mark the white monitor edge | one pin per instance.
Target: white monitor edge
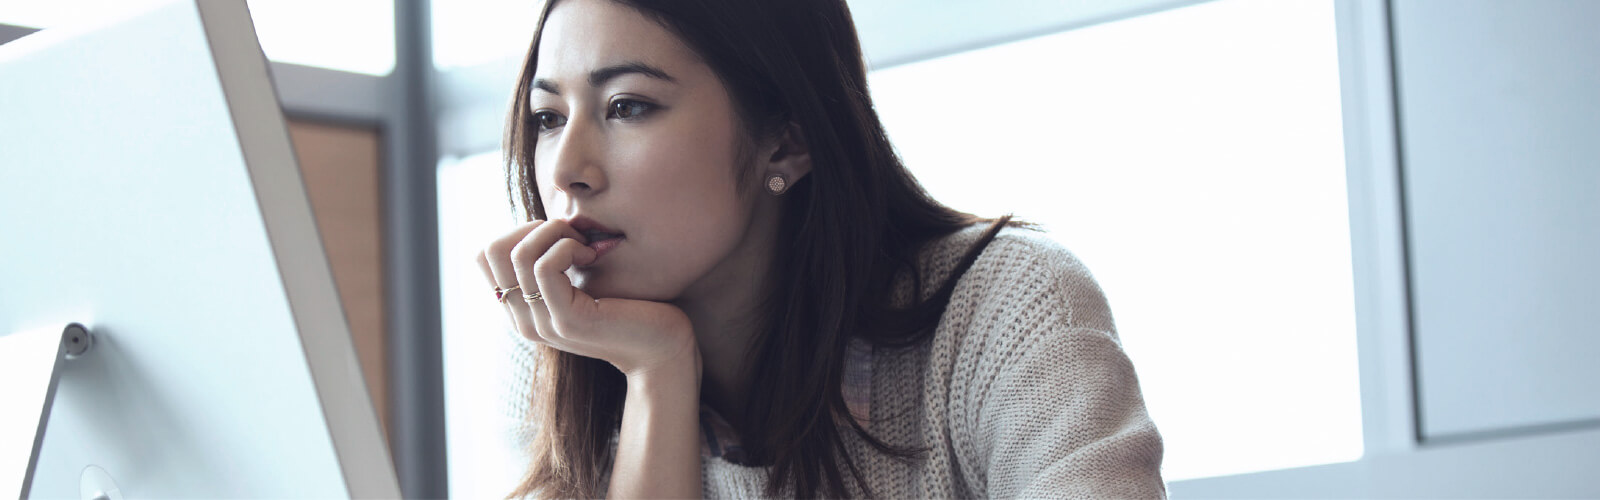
(263, 135)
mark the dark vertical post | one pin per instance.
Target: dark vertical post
(412, 247)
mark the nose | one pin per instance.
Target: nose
(576, 163)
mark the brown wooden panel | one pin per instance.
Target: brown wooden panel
(340, 167)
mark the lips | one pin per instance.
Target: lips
(600, 237)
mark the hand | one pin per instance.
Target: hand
(636, 336)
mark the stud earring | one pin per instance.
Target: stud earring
(777, 184)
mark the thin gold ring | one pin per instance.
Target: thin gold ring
(533, 298)
(501, 295)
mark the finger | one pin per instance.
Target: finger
(498, 269)
(523, 257)
(488, 275)
(495, 259)
(562, 301)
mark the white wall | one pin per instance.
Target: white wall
(1500, 117)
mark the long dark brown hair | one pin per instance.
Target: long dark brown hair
(851, 226)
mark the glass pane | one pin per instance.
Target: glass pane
(473, 32)
(1194, 160)
(346, 35)
(47, 14)
(473, 209)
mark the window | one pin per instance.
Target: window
(473, 32)
(473, 209)
(1193, 159)
(347, 35)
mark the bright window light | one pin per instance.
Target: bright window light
(1193, 159)
(473, 32)
(473, 209)
(345, 35)
(48, 14)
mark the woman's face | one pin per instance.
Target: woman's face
(638, 135)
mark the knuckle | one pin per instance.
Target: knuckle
(552, 230)
(541, 228)
(547, 264)
(502, 246)
(555, 225)
(522, 253)
(523, 230)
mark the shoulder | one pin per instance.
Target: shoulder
(1021, 268)
(1030, 379)
(1023, 296)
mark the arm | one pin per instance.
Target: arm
(1058, 410)
(1067, 420)
(658, 451)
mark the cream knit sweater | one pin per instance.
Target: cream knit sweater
(1024, 390)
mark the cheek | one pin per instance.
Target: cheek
(680, 194)
(543, 180)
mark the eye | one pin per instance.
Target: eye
(628, 109)
(547, 120)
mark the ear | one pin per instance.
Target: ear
(787, 154)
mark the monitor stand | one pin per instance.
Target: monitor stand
(33, 361)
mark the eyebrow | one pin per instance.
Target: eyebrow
(601, 76)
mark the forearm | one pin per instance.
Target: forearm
(658, 450)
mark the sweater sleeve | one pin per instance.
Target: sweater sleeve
(1063, 415)
(1068, 421)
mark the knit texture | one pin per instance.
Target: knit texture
(1023, 391)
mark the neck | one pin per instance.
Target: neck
(725, 308)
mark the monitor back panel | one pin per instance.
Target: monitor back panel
(136, 200)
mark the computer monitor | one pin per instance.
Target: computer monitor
(149, 191)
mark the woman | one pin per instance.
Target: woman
(730, 286)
